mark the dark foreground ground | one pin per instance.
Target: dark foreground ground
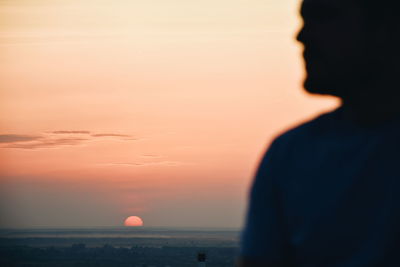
(120, 248)
(80, 255)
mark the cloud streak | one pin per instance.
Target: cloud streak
(145, 164)
(11, 138)
(48, 143)
(56, 139)
(71, 132)
(111, 135)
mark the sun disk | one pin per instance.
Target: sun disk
(133, 221)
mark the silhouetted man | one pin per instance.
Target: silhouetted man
(327, 193)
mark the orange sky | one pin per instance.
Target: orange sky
(159, 108)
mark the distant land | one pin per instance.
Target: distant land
(138, 246)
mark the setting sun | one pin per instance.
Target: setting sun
(133, 221)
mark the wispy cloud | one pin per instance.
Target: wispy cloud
(111, 135)
(11, 138)
(71, 132)
(145, 164)
(46, 143)
(56, 139)
(94, 134)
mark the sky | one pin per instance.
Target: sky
(158, 108)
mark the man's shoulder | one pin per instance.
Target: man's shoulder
(309, 129)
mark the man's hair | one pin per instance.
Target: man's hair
(379, 10)
(383, 13)
(382, 16)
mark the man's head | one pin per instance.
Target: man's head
(349, 46)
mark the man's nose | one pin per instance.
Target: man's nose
(300, 35)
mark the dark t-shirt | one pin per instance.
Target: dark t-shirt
(327, 193)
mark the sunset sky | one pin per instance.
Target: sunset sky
(154, 108)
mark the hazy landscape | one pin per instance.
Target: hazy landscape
(117, 247)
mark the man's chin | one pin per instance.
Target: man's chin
(317, 87)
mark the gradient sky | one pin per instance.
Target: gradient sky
(154, 108)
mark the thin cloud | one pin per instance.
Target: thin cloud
(94, 134)
(56, 139)
(145, 164)
(48, 143)
(123, 137)
(12, 138)
(71, 132)
(110, 135)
